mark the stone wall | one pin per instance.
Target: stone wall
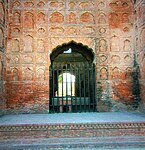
(35, 28)
(3, 31)
(139, 27)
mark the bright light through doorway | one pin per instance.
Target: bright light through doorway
(66, 85)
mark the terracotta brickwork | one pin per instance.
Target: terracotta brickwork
(3, 31)
(139, 27)
(108, 27)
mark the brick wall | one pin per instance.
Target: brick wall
(139, 26)
(3, 31)
(35, 28)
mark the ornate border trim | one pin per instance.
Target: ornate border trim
(88, 126)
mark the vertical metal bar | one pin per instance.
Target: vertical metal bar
(80, 85)
(75, 72)
(57, 75)
(71, 72)
(93, 104)
(53, 86)
(66, 91)
(95, 88)
(61, 103)
(50, 86)
(89, 95)
(84, 99)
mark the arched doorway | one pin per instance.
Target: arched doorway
(72, 79)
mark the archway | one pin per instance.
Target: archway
(72, 79)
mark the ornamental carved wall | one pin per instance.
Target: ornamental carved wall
(35, 28)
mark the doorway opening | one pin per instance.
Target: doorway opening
(72, 79)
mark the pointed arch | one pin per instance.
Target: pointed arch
(76, 47)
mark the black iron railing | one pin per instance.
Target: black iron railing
(72, 88)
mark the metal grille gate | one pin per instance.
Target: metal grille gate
(72, 88)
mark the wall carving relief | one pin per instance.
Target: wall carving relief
(125, 4)
(102, 18)
(102, 58)
(87, 30)
(72, 5)
(127, 45)
(41, 59)
(113, 5)
(27, 59)
(125, 18)
(56, 17)
(17, 16)
(87, 18)
(28, 20)
(2, 12)
(15, 45)
(28, 44)
(127, 58)
(71, 18)
(28, 73)
(115, 59)
(103, 73)
(101, 6)
(128, 73)
(102, 45)
(115, 73)
(41, 17)
(16, 4)
(28, 4)
(15, 74)
(102, 30)
(126, 29)
(56, 4)
(85, 5)
(114, 46)
(41, 31)
(114, 19)
(71, 31)
(16, 31)
(41, 4)
(15, 59)
(40, 74)
(40, 46)
(119, 5)
(57, 30)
